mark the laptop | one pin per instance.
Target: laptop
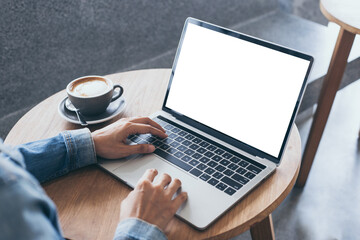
(229, 108)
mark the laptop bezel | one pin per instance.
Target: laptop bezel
(215, 133)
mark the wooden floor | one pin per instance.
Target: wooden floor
(329, 205)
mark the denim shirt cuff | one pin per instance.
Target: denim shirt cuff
(134, 228)
(80, 147)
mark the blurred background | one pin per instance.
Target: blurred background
(44, 44)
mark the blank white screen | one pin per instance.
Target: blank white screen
(241, 89)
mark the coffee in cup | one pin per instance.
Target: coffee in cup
(89, 87)
(91, 95)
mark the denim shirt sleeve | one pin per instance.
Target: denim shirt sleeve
(136, 229)
(26, 212)
(50, 158)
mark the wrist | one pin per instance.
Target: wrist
(94, 140)
(135, 228)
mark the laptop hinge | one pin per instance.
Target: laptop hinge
(262, 160)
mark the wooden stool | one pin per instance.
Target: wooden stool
(345, 13)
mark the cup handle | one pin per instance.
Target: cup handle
(119, 93)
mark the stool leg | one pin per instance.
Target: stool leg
(329, 88)
(263, 230)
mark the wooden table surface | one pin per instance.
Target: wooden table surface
(88, 199)
(345, 13)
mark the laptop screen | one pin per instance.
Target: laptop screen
(247, 89)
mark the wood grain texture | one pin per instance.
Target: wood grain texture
(328, 92)
(345, 13)
(89, 199)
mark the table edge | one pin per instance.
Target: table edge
(342, 24)
(268, 210)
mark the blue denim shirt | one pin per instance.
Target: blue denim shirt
(26, 212)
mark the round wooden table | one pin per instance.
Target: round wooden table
(345, 13)
(88, 199)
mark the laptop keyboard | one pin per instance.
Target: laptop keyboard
(217, 165)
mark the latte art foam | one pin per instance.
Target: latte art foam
(90, 88)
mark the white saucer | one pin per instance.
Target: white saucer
(114, 109)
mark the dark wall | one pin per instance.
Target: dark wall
(46, 43)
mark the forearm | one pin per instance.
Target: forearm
(25, 210)
(50, 158)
